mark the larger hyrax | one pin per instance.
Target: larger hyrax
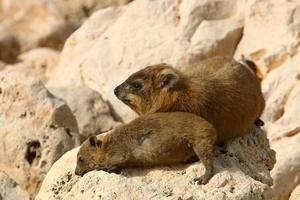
(151, 140)
(219, 89)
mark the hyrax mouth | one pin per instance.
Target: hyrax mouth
(113, 169)
(126, 101)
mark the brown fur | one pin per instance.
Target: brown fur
(219, 89)
(151, 140)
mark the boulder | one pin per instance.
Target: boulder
(175, 32)
(76, 11)
(286, 172)
(93, 114)
(281, 88)
(10, 190)
(271, 32)
(30, 24)
(39, 62)
(241, 172)
(36, 129)
(295, 194)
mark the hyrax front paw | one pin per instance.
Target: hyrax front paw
(114, 169)
(202, 180)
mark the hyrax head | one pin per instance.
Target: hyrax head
(149, 89)
(91, 155)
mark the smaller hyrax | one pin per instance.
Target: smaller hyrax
(220, 89)
(151, 140)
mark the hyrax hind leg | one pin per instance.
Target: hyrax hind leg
(203, 146)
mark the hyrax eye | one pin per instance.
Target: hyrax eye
(80, 159)
(136, 85)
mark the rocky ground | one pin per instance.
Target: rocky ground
(59, 63)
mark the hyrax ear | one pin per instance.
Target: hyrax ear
(168, 78)
(94, 141)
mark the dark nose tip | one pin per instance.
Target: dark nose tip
(117, 91)
(77, 173)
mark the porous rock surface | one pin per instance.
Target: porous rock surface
(281, 89)
(39, 63)
(271, 32)
(10, 190)
(93, 114)
(36, 129)
(241, 172)
(295, 194)
(28, 24)
(25, 25)
(76, 11)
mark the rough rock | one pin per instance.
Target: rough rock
(31, 24)
(175, 32)
(281, 88)
(271, 38)
(10, 190)
(93, 114)
(76, 11)
(286, 172)
(39, 63)
(241, 172)
(36, 129)
(281, 91)
(295, 194)
(271, 33)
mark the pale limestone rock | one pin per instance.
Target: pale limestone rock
(31, 24)
(39, 63)
(279, 89)
(282, 116)
(295, 194)
(241, 172)
(76, 11)
(10, 190)
(36, 129)
(271, 33)
(93, 114)
(115, 42)
(286, 172)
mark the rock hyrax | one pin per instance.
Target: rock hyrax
(219, 89)
(151, 140)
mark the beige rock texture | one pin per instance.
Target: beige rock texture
(39, 62)
(282, 91)
(29, 24)
(93, 114)
(271, 33)
(241, 172)
(76, 11)
(271, 38)
(36, 129)
(295, 194)
(10, 190)
(115, 42)
(25, 25)
(110, 45)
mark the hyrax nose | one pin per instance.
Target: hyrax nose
(77, 172)
(117, 91)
